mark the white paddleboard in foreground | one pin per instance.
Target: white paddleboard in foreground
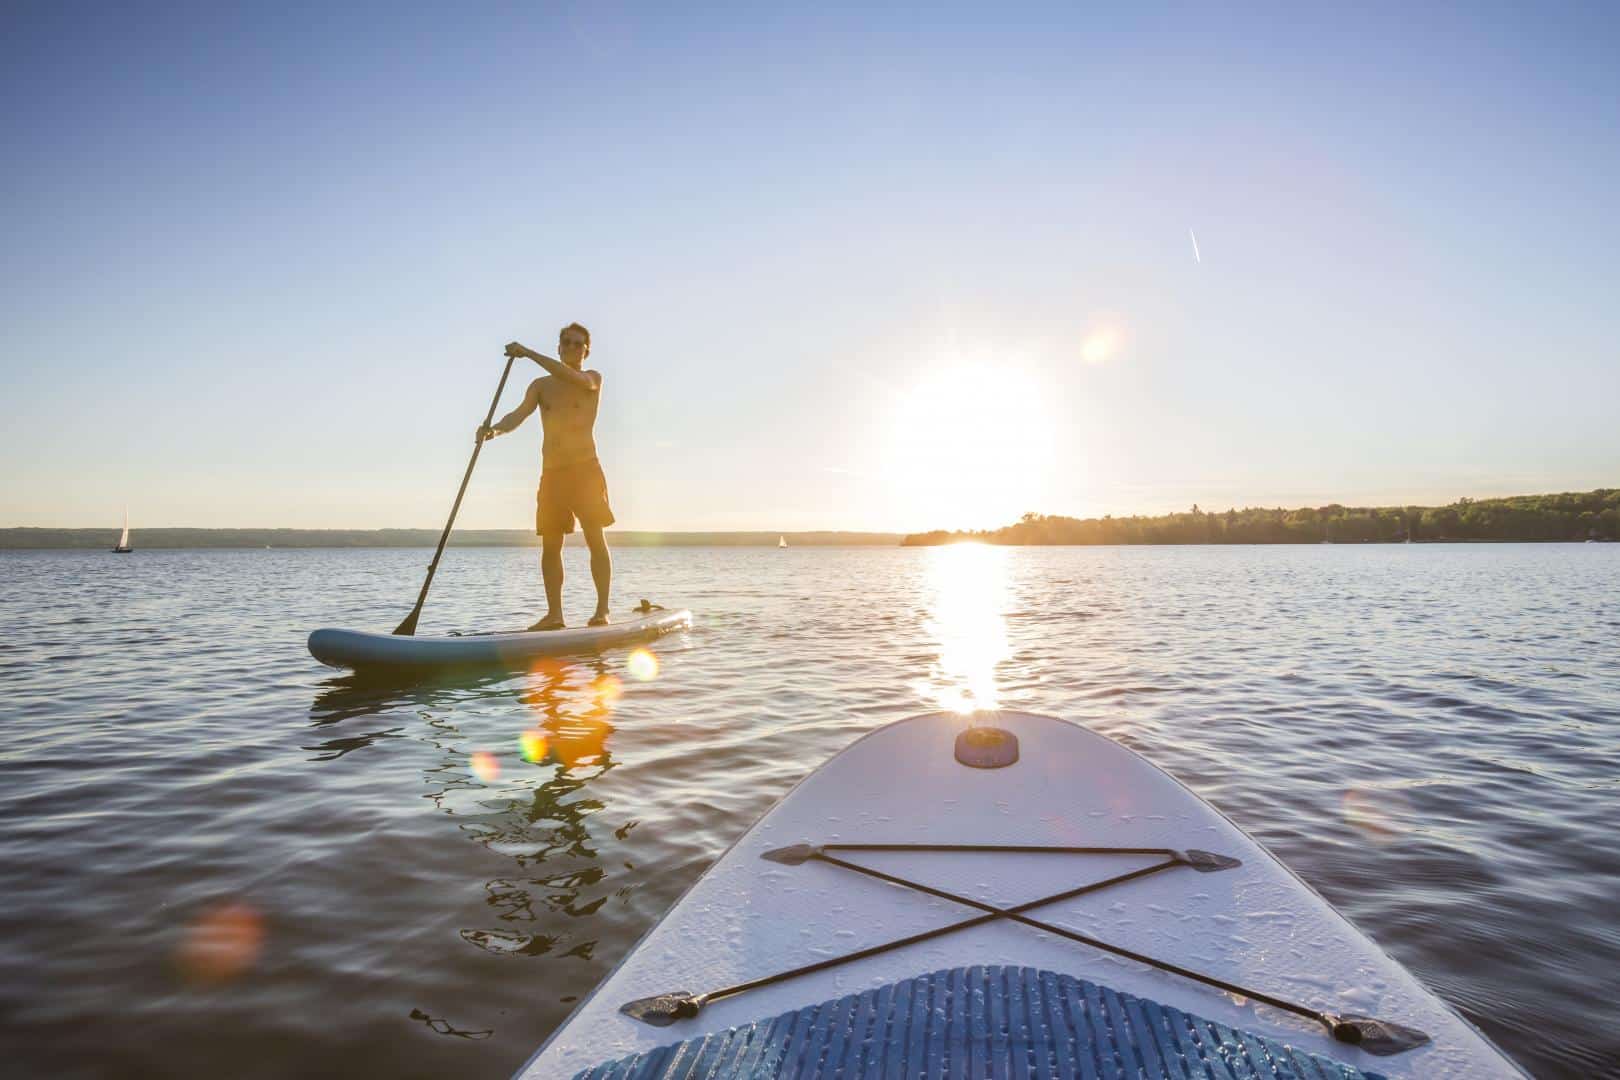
(370, 652)
(700, 994)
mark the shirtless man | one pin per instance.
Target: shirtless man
(571, 481)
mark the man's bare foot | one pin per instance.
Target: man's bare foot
(599, 619)
(550, 622)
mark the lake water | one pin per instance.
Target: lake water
(219, 858)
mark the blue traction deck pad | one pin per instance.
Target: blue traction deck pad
(982, 1022)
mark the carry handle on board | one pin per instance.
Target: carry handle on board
(408, 627)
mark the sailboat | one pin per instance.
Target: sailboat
(781, 541)
(123, 547)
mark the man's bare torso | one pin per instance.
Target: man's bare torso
(568, 417)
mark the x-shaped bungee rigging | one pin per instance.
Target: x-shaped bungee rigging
(1381, 1037)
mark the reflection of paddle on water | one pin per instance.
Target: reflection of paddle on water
(443, 1027)
(349, 696)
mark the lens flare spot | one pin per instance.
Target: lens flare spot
(223, 943)
(1101, 344)
(533, 746)
(486, 766)
(607, 689)
(1376, 814)
(643, 665)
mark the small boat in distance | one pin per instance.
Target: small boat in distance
(781, 541)
(123, 548)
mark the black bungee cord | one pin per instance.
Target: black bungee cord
(1379, 1037)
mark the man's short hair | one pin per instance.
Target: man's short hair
(584, 333)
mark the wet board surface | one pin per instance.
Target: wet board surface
(1254, 924)
(362, 650)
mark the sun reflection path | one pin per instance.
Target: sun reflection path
(969, 595)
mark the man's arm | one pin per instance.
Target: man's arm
(531, 401)
(590, 380)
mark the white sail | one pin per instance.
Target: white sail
(781, 541)
(123, 539)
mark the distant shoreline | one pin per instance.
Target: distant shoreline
(1566, 517)
(36, 539)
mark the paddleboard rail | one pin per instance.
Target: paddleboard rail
(369, 652)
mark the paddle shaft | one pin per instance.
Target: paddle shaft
(408, 626)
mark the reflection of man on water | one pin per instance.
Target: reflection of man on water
(573, 704)
(571, 481)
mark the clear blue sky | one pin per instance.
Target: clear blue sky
(899, 271)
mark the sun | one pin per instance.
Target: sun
(970, 445)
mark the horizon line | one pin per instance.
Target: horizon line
(1299, 505)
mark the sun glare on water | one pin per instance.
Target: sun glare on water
(966, 619)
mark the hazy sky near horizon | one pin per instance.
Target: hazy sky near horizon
(901, 270)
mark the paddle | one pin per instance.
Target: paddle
(408, 627)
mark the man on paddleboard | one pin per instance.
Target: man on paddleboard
(571, 481)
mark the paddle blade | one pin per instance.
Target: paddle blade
(408, 627)
(792, 855)
(663, 1010)
(1381, 1037)
(1207, 862)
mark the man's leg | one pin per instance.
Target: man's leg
(601, 570)
(551, 572)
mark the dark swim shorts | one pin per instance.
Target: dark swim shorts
(570, 491)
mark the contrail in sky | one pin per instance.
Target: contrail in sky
(1196, 258)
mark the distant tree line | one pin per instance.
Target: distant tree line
(1592, 515)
